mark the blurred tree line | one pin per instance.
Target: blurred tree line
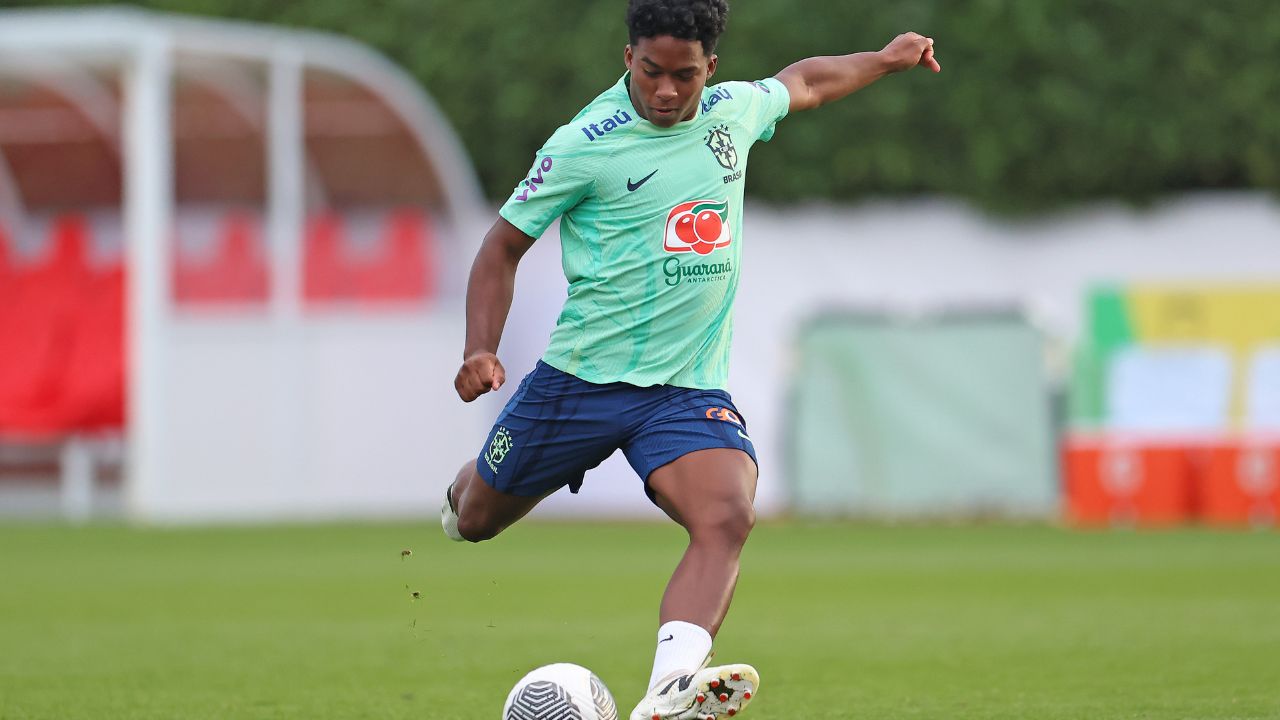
(1041, 103)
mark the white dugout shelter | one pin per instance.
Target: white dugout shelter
(285, 208)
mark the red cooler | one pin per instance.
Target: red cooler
(1242, 485)
(1126, 482)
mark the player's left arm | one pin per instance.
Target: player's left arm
(816, 81)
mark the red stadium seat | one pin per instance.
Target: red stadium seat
(9, 299)
(323, 276)
(37, 328)
(236, 271)
(63, 342)
(400, 266)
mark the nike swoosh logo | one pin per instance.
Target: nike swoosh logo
(634, 186)
(669, 637)
(744, 437)
(683, 681)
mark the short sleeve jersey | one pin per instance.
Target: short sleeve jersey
(651, 233)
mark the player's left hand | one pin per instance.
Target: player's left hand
(909, 50)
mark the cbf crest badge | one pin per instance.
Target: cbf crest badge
(720, 143)
(498, 449)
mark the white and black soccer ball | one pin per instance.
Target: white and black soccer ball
(562, 691)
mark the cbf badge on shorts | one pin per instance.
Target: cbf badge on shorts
(498, 449)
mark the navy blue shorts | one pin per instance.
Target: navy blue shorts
(557, 427)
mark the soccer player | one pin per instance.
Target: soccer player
(647, 182)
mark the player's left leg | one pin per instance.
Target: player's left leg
(711, 493)
(704, 477)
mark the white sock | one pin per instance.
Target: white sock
(449, 518)
(681, 646)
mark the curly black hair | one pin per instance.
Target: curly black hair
(701, 20)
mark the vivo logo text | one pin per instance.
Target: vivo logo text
(537, 178)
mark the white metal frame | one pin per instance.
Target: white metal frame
(142, 46)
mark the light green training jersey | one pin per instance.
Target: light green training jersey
(651, 233)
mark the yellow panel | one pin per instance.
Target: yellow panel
(1236, 318)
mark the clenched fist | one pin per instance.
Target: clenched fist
(480, 373)
(909, 50)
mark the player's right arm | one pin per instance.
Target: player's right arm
(489, 291)
(560, 178)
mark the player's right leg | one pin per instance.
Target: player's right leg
(554, 428)
(473, 511)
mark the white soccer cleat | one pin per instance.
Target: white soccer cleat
(712, 693)
(449, 518)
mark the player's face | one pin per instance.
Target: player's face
(667, 78)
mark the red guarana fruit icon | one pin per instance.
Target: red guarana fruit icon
(707, 226)
(686, 229)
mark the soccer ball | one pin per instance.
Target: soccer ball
(562, 691)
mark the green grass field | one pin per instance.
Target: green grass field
(316, 622)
